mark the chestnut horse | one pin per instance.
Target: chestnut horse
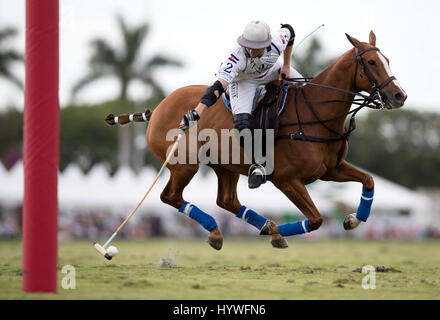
(296, 162)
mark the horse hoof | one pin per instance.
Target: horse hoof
(269, 228)
(351, 222)
(215, 239)
(215, 243)
(279, 243)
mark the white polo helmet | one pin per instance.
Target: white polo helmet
(256, 35)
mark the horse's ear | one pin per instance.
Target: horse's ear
(355, 42)
(372, 38)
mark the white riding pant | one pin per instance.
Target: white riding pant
(242, 92)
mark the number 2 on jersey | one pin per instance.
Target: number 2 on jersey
(228, 67)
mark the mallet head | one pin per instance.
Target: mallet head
(101, 250)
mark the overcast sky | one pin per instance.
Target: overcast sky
(201, 33)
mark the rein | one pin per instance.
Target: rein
(373, 101)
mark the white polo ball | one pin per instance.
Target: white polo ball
(112, 251)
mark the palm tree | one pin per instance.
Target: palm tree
(9, 56)
(124, 64)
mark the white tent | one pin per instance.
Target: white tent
(71, 186)
(12, 184)
(388, 197)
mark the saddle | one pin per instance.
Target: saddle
(268, 104)
(265, 115)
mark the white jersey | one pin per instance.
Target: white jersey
(240, 66)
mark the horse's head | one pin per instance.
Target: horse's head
(373, 73)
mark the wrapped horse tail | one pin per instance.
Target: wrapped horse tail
(122, 119)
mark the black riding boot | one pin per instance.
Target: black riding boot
(257, 173)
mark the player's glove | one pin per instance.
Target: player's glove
(189, 120)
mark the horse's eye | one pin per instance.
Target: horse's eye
(371, 63)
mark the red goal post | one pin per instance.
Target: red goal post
(41, 147)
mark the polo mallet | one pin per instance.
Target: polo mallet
(102, 249)
(322, 25)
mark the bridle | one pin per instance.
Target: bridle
(374, 100)
(370, 77)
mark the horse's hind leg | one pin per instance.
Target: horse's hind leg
(227, 199)
(346, 172)
(180, 176)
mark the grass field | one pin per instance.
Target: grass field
(243, 269)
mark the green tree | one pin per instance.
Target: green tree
(400, 145)
(11, 136)
(312, 62)
(8, 57)
(85, 138)
(123, 64)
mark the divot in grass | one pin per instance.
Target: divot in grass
(168, 260)
(380, 269)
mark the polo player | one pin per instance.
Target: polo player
(254, 62)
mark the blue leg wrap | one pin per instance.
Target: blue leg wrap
(291, 229)
(198, 215)
(251, 217)
(363, 211)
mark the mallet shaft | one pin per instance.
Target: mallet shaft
(148, 191)
(109, 240)
(294, 49)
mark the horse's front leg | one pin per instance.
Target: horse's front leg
(298, 194)
(346, 172)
